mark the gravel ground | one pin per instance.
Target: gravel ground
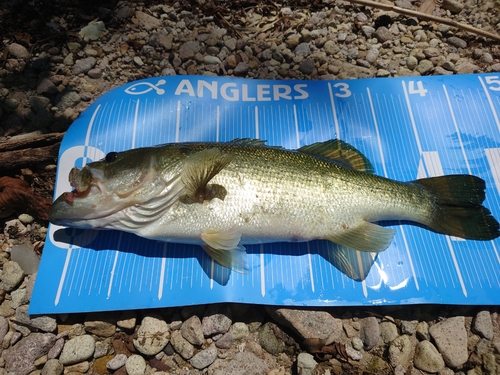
(49, 74)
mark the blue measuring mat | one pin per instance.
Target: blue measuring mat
(409, 128)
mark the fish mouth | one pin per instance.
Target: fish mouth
(82, 202)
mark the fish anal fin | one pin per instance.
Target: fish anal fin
(352, 263)
(341, 152)
(199, 168)
(235, 259)
(365, 237)
(224, 248)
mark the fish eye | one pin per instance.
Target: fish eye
(111, 156)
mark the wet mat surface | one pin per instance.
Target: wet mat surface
(409, 128)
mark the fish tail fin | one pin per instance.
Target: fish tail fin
(459, 211)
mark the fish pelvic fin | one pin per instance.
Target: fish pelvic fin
(198, 169)
(459, 211)
(341, 152)
(366, 236)
(224, 248)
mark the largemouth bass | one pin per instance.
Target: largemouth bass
(225, 195)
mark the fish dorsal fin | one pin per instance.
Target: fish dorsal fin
(254, 142)
(198, 169)
(249, 141)
(341, 152)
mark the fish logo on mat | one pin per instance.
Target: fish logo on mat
(141, 88)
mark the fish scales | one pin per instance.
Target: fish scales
(225, 195)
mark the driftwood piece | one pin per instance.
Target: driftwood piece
(29, 149)
(427, 17)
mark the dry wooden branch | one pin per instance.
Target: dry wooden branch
(21, 151)
(427, 17)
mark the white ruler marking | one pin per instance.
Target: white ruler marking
(490, 102)
(434, 169)
(334, 111)
(178, 121)
(457, 130)
(113, 269)
(161, 282)
(412, 118)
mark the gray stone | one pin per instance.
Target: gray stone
(454, 6)
(352, 353)
(308, 323)
(93, 324)
(370, 332)
(372, 55)
(448, 65)
(230, 44)
(4, 328)
(427, 357)
(482, 324)
(95, 73)
(432, 52)
(211, 60)
(422, 330)
(162, 39)
(302, 49)
(486, 58)
(408, 327)
(152, 336)
(204, 358)
(400, 351)
(52, 367)
(457, 42)
(383, 34)
(135, 365)
(411, 62)
(188, 50)
(101, 349)
(21, 357)
(138, 61)
(191, 330)
(451, 340)
(181, 345)
(241, 69)
(146, 21)
(424, 66)
(217, 320)
(225, 341)
(367, 30)
(127, 320)
(466, 68)
(84, 65)
(388, 331)
(18, 51)
(269, 341)
(67, 99)
(243, 363)
(331, 48)
(307, 66)
(45, 86)
(305, 364)
(12, 275)
(56, 349)
(239, 331)
(43, 323)
(440, 71)
(78, 349)
(116, 362)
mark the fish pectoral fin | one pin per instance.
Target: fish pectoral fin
(198, 169)
(365, 237)
(341, 152)
(224, 248)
